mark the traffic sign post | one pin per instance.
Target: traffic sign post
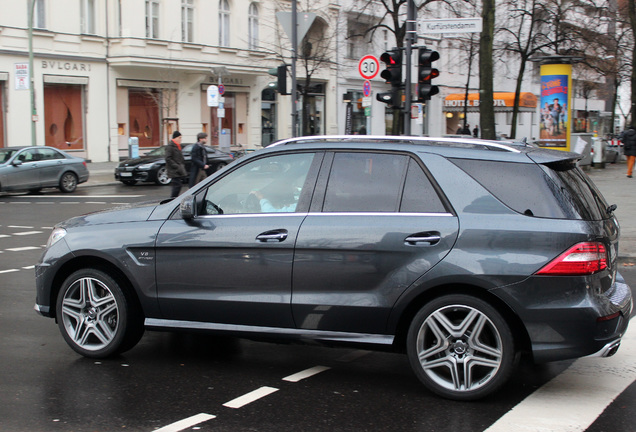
(368, 67)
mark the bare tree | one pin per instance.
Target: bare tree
(486, 104)
(631, 12)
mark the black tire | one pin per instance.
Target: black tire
(68, 182)
(162, 176)
(455, 334)
(96, 317)
(129, 182)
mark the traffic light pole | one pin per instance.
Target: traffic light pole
(294, 91)
(411, 34)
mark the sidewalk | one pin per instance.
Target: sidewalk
(611, 180)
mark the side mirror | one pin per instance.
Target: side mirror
(16, 162)
(188, 206)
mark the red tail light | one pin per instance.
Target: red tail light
(581, 259)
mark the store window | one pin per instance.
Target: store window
(64, 116)
(253, 27)
(227, 122)
(143, 109)
(224, 23)
(268, 117)
(2, 115)
(312, 109)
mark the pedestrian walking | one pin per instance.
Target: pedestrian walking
(628, 137)
(199, 159)
(476, 131)
(175, 164)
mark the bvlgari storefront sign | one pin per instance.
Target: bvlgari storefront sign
(66, 66)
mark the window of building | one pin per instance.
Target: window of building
(2, 113)
(39, 14)
(386, 39)
(88, 16)
(152, 19)
(143, 111)
(187, 20)
(64, 116)
(253, 27)
(224, 23)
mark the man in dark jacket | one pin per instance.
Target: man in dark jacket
(175, 164)
(628, 137)
(199, 159)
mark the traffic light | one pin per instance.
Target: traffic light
(392, 75)
(281, 73)
(425, 73)
(393, 72)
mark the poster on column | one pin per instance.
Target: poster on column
(556, 85)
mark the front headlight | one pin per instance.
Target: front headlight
(56, 235)
(146, 166)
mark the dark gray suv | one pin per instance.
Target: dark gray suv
(462, 253)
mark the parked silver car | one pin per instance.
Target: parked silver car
(37, 167)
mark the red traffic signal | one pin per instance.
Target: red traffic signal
(425, 73)
(393, 72)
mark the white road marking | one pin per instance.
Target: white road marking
(186, 423)
(24, 248)
(250, 397)
(9, 271)
(46, 202)
(306, 373)
(19, 226)
(573, 400)
(4, 235)
(95, 202)
(27, 233)
(16, 202)
(70, 202)
(28, 267)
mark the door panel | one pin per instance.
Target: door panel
(350, 280)
(216, 270)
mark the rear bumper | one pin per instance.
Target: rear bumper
(571, 317)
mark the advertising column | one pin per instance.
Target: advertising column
(556, 86)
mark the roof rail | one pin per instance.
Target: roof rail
(397, 139)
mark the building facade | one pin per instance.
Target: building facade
(105, 71)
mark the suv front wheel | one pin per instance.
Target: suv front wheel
(460, 347)
(95, 316)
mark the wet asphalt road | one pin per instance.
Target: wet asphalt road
(45, 386)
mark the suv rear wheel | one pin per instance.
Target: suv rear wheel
(460, 347)
(95, 316)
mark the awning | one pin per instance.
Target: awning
(503, 101)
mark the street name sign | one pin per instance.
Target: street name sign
(452, 25)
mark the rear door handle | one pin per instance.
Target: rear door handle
(272, 236)
(422, 239)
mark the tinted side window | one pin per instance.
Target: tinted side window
(267, 185)
(365, 182)
(524, 188)
(48, 154)
(419, 194)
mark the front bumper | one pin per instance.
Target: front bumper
(123, 175)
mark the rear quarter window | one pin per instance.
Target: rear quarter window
(560, 191)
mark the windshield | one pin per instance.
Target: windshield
(161, 151)
(6, 154)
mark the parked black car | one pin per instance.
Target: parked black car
(36, 167)
(151, 167)
(462, 253)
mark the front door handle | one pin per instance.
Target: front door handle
(421, 239)
(272, 236)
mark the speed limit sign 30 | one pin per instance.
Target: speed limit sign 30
(368, 67)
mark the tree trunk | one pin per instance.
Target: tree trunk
(486, 108)
(515, 107)
(632, 20)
